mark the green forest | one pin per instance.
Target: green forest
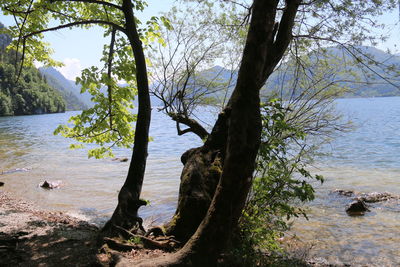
(30, 94)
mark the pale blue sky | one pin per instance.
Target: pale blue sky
(79, 49)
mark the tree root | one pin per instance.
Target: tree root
(155, 231)
(163, 242)
(117, 245)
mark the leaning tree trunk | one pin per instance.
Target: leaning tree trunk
(200, 175)
(126, 212)
(264, 48)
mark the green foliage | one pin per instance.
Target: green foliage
(105, 124)
(281, 183)
(135, 240)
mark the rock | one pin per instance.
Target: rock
(357, 207)
(376, 197)
(367, 197)
(346, 193)
(50, 185)
(120, 159)
(1, 183)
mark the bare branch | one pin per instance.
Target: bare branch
(77, 23)
(193, 125)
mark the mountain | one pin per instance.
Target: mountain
(368, 79)
(67, 88)
(371, 79)
(30, 94)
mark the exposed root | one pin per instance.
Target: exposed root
(117, 245)
(163, 243)
(155, 231)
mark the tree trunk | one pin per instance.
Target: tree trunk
(200, 175)
(126, 212)
(261, 54)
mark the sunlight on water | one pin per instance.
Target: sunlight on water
(365, 160)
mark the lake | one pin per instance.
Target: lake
(366, 159)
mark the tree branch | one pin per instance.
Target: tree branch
(91, 1)
(283, 35)
(77, 23)
(109, 72)
(362, 62)
(24, 42)
(193, 125)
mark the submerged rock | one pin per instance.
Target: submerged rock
(50, 185)
(357, 207)
(120, 159)
(15, 170)
(377, 197)
(367, 197)
(346, 193)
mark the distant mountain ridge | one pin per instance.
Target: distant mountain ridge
(369, 85)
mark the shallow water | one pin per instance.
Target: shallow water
(366, 159)
(90, 186)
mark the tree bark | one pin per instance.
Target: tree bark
(200, 175)
(261, 54)
(126, 212)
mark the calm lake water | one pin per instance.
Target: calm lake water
(366, 159)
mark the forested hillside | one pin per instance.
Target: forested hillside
(30, 94)
(69, 91)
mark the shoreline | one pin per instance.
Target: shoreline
(33, 236)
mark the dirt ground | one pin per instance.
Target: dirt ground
(33, 237)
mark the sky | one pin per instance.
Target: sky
(79, 49)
